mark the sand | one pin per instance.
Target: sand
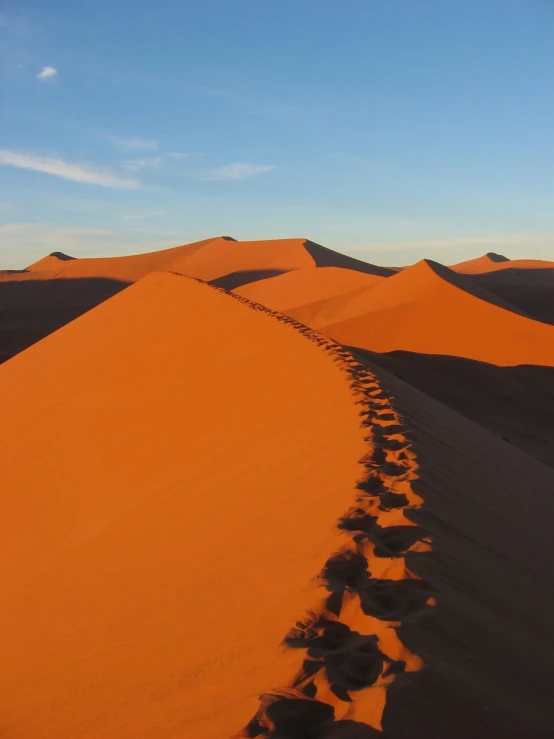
(514, 403)
(527, 284)
(428, 309)
(489, 644)
(220, 522)
(306, 286)
(496, 262)
(163, 533)
(58, 288)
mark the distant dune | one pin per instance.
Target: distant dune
(428, 309)
(56, 289)
(305, 286)
(527, 284)
(263, 490)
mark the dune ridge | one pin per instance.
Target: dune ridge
(497, 262)
(391, 316)
(67, 557)
(57, 288)
(305, 286)
(349, 638)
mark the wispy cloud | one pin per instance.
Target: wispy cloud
(125, 144)
(237, 171)
(66, 170)
(47, 73)
(163, 160)
(136, 164)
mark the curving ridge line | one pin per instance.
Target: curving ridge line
(352, 649)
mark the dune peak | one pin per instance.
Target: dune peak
(61, 256)
(496, 257)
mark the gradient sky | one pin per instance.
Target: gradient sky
(386, 129)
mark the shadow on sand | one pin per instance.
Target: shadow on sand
(32, 309)
(515, 403)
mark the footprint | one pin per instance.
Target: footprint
(394, 600)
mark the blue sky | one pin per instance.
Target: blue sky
(386, 129)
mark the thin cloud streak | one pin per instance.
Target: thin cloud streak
(237, 171)
(66, 170)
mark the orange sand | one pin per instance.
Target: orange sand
(178, 461)
(207, 259)
(428, 309)
(139, 568)
(304, 286)
(496, 262)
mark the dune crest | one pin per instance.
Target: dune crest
(496, 262)
(353, 651)
(306, 286)
(485, 263)
(429, 309)
(130, 604)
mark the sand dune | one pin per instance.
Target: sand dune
(208, 259)
(489, 644)
(496, 262)
(527, 284)
(304, 286)
(428, 309)
(58, 288)
(515, 403)
(163, 534)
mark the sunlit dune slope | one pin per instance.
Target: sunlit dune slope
(176, 463)
(304, 286)
(56, 289)
(429, 309)
(209, 259)
(496, 262)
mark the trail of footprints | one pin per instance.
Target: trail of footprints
(349, 639)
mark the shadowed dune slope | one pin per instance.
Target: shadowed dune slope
(304, 286)
(429, 309)
(223, 260)
(527, 284)
(32, 309)
(489, 644)
(177, 466)
(515, 403)
(530, 289)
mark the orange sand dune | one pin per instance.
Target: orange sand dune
(208, 260)
(525, 283)
(489, 645)
(178, 463)
(304, 286)
(56, 289)
(495, 262)
(428, 309)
